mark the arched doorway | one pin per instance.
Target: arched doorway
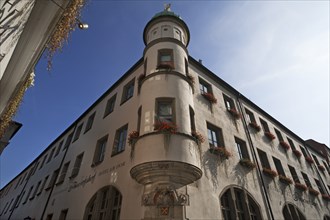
(238, 204)
(104, 204)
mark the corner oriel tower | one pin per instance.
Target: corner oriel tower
(166, 157)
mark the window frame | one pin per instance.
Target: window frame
(214, 132)
(229, 102)
(242, 149)
(77, 132)
(168, 64)
(165, 118)
(100, 150)
(110, 106)
(90, 122)
(128, 91)
(119, 144)
(77, 165)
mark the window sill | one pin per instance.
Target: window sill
(116, 153)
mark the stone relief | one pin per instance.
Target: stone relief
(164, 196)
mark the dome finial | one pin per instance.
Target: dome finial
(167, 7)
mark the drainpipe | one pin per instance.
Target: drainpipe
(263, 186)
(60, 168)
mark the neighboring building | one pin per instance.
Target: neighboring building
(138, 151)
(25, 28)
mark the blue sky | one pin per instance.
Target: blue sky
(276, 53)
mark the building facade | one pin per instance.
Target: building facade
(171, 140)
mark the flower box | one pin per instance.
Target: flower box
(297, 153)
(300, 186)
(286, 180)
(309, 160)
(132, 137)
(234, 113)
(321, 167)
(285, 145)
(210, 97)
(313, 191)
(326, 197)
(247, 163)
(269, 135)
(198, 137)
(269, 172)
(165, 127)
(255, 126)
(220, 151)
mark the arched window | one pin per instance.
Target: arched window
(291, 212)
(238, 204)
(105, 204)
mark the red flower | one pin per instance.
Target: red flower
(210, 97)
(220, 151)
(321, 167)
(300, 186)
(269, 135)
(285, 145)
(198, 136)
(313, 191)
(297, 153)
(234, 113)
(309, 160)
(165, 127)
(285, 179)
(326, 197)
(255, 126)
(269, 172)
(132, 137)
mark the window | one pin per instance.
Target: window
(291, 144)
(322, 191)
(78, 131)
(4, 208)
(100, 150)
(63, 173)
(51, 155)
(294, 174)
(264, 125)
(15, 205)
(43, 161)
(165, 59)
(24, 178)
(20, 199)
(110, 105)
(291, 212)
(186, 66)
(34, 169)
(165, 109)
(238, 204)
(242, 149)
(128, 91)
(316, 160)
(303, 150)
(77, 165)
(68, 141)
(192, 119)
(326, 166)
(145, 66)
(63, 214)
(49, 217)
(120, 140)
(36, 190)
(9, 205)
(278, 166)
(43, 185)
(229, 102)
(105, 204)
(28, 195)
(279, 135)
(90, 122)
(53, 179)
(263, 159)
(204, 87)
(215, 137)
(250, 116)
(58, 149)
(306, 179)
(21, 179)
